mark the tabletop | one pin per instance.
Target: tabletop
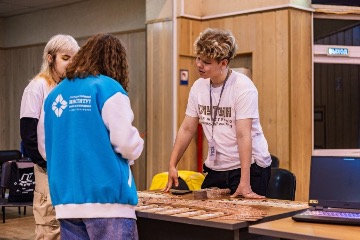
(274, 209)
(290, 229)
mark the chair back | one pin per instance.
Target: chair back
(6, 155)
(274, 161)
(282, 184)
(17, 176)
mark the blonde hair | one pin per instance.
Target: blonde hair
(215, 44)
(58, 43)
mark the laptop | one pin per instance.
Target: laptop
(334, 195)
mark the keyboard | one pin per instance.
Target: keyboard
(348, 218)
(332, 214)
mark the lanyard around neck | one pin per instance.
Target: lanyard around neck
(217, 107)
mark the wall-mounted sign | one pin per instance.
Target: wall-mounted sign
(338, 52)
(184, 77)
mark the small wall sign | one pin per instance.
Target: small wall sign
(338, 52)
(184, 77)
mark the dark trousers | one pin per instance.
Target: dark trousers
(98, 228)
(259, 178)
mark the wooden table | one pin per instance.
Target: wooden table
(154, 226)
(289, 229)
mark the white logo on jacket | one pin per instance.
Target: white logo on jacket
(59, 105)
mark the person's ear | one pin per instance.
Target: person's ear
(224, 62)
(49, 58)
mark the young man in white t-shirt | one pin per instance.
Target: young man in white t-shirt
(226, 104)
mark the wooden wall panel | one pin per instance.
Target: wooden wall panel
(189, 158)
(268, 83)
(188, 31)
(3, 108)
(300, 100)
(159, 98)
(244, 35)
(135, 44)
(282, 94)
(22, 64)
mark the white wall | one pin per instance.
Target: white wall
(158, 10)
(80, 20)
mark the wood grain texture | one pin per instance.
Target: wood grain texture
(22, 64)
(3, 109)
(159, 98)
(135, 44)
(188, 31)
(282, 91)
(287, 228)
(300, 100)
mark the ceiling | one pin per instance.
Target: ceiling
(10, 8)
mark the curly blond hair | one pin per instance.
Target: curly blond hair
(215, 44)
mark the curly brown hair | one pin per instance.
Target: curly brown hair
(215, 44)
(102, 54)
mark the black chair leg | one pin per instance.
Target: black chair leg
(3, 210)
(24, 210)
(19, 210)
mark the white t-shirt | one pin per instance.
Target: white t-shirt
(33, 98)
(239, 100)
(32, 104)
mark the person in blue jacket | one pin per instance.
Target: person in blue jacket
(90, 144)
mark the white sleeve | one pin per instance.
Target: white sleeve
(192, 105)
(118, 117)
(32, 100)
(41, 134)
(246, 105)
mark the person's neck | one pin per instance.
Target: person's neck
(57, 80)
(219, 81)
(56, 77)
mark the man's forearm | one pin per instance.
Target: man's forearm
(28, 132)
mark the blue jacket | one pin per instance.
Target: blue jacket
(90, 143)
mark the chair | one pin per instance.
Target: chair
(7, 155)
(282, 184)
(17, 177)
(274, 161)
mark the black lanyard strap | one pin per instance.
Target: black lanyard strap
(217, 107)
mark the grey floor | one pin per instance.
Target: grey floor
(17, 227)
